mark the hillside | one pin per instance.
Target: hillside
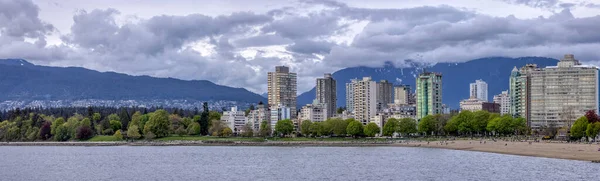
(23, 81)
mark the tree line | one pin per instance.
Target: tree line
(75, 123)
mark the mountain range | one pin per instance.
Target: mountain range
(456, 77)
(23, 83)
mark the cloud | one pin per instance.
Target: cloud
(313, 38)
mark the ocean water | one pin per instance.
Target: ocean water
(279, 163)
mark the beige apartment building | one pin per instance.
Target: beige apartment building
(561, 94)
(364, 98)
(282, 88)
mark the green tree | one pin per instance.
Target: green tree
(158, 124)
(136, 118)
(371, 130)
(579, 127)
(338, 126)
(355, 128)
(226, 132)
(390, 127)
(406, 126)
(86, 122)
(113, 117)
(133, 131)
(118, 135)
(480, 121)
(194, 128)
(305, 127)
(491, 126)
(460, 124)
(203, 119)
(58, 122)
(96, 117)
(284, 127)
(247, 130)
(216, 127)
(427, 125)
(592, 130)
(214, 115)
(519, 125)
(505, 125)
(115, 125)
(265, 129)
(62, 133)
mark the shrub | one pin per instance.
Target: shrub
(118, 135)
(84, 133)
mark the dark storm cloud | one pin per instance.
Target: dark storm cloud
(20, 19)
(307, 38)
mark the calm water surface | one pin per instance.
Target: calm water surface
(280, 163)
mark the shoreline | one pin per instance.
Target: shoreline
(569, 151)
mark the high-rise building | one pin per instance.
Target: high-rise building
(429, 94)
(326, 94)
(479, 90)
(350, 95)
(402, 94)
(364, 95)
(560, 94)
(519, 91)
(385, 92)
(282, 88)
(504, 100)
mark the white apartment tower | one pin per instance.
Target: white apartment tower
(479, 90)
(504, 100)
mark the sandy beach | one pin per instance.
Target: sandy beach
(572, 151)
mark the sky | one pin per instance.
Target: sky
(236, 42)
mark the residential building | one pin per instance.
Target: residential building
(282, 88)
(560, 94)
(364, 95)
(445, 109)
(519, 90)
(475, 104)
(350, 95)
(399, 111)
(479, 90)
(385, 91)
(326, 94)
(504, 100)
(402, 94)
(258, 115)
(279, 112)
(429, 94)
(235, 119)
(315, 112)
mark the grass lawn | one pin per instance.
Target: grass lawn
(103, 138)
(207, 138)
